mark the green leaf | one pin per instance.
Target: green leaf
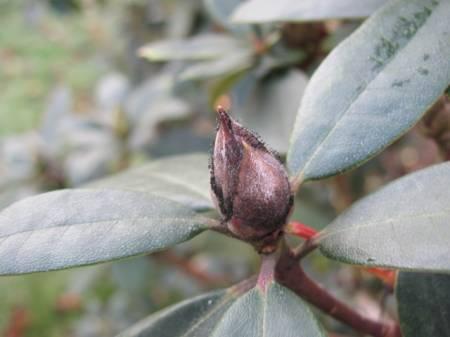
(201, 47)
(195, 317)
(424, 304)
(224, 85)
(184, 179)
(274, 312)
(70, 228)
(259, 11)
(271, 108)
(372, 88)
(404, 225)
(232, 61)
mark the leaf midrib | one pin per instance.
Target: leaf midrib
(228, 298)
(3, 238)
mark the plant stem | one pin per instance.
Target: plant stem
(290, 273)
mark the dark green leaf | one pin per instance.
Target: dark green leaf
(184, 179)
(201, 47)
(424, 304)
(271, 108)
(258, 11)
(195, 317)
(403, 225)
(275, 312)
(70, 228)
(372, 88)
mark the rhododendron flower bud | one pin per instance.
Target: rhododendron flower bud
(249, 184)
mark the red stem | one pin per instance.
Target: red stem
(292, 276)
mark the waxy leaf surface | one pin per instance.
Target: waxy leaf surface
(184, 179)
(404, 225)
(372, 88)
(273, 312)
(70, 228)
(195, 317)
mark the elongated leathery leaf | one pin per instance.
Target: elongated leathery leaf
(372, 88)
(258, 11)
(230, 62)
(403, 225)
(202, 47)
(195, 317)
(184, 179)
(424, 304)
(70, 228)
(275, 312)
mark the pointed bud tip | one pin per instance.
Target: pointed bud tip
(220, 109)
(223, 117)
(222, 113)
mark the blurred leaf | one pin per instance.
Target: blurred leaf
(258, 11)
(152, 103)
(156, 88)
(200, 47)
(223, 85)
(230, 62)
(221, 10)
(111, 91)
(90, 151)
(271, 107)
(71, 228)
(191, 318)
(279, 58)
(423, 304)
(19, 158)
(182, 17)
(355, 106)
(59, 105)
(163, 109)
(403, 225)
(274, 312)
(184, 179)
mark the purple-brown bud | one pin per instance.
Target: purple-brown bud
(249, 184)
